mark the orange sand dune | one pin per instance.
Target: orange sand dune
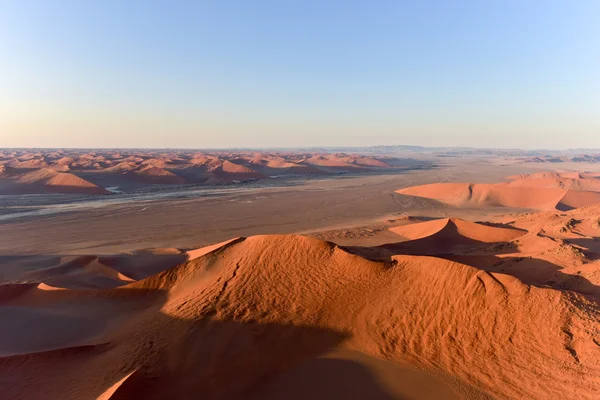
(13, 181)
(143, 263)
(199, 252)
(564, 180)
(440, 237)
(345, 374)
(79, 273)
(371, 162)
(577, 199)
(554, 250)
(332, 163)
(28, 163)
(124, 166)
(134, 169)
(504, 195)
(231, 171)
(254, 317)
(457, 227)
(279, 166)
(156, 175)
(91, 271)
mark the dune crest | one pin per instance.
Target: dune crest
(452, 226)
(549, 191)
(254, 308)
(90, 172)
(14, 181)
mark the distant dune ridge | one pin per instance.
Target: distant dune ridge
(452, 227)
(507, 310)
(91, 172)
(44, 180)
(544, 191)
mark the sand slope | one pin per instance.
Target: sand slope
(253, 316)
(441, 236)
(156, 175)
(455, 228)
(521, 193)
(563, 180)
(15, 181)
(137, 169)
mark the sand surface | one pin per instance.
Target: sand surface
(393, 296)
(543, 191)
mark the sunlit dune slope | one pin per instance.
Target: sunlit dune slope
(242, 319)
(15, 181)
(541, 193)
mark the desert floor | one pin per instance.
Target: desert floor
(69, 224)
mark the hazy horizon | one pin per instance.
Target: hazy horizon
(316, 148)
(299, 74)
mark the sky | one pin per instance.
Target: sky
(285, 73)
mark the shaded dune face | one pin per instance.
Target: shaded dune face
(454, 228)
(90, 271)
(548, 191)
(253, 317)
(442, 236)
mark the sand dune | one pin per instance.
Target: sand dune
(488, 195)
(231, 171)
(247, 318)
(440, 237)
(354, 375)
(15, 181)
(280, 166)
(156, 175)
(577, 199)
(445, 308)
(542, 192)
(92, 271)
(454, 228)
(138, 169)
(562, 180)
(143, 263)
(84, 272)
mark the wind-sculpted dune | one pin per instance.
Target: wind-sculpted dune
(72, 171)
(44, 180)
(547, 191)
(286, 316)
(447, 235)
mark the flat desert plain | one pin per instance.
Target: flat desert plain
(293, 276)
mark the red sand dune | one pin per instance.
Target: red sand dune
(156, 175)
(332, 163)
(83, 272)
(253, 318)
(521, 193)
(507, 309)
(455, 227)
(135, 169)
(279, 166)
(231, 171)
(440, 237)
(14, 181)
(577, 198)
(143, 263)
(562, 180)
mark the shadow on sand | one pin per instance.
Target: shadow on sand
(135, 350)
(529, 270)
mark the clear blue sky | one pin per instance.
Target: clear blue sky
(128, 73)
